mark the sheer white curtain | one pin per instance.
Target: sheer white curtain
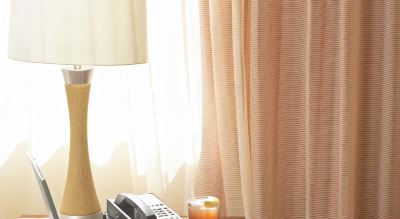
(144, 120)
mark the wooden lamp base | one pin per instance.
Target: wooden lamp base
(80, 199)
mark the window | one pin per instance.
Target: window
(145, 118)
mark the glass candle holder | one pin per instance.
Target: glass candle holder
(206, 207)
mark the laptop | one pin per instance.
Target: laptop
(51, 209)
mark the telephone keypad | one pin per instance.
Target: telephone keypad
(163, 212)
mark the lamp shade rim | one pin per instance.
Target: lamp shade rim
(80, 63)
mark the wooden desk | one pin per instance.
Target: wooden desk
(45, 217)
(33, 216)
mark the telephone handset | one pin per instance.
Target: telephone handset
(146, 206)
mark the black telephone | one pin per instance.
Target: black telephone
(146, 206)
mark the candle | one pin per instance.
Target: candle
(203, 208)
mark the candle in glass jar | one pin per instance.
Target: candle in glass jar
(203, 208)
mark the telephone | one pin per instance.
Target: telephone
(146, 206)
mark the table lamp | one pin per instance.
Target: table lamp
(78, 33)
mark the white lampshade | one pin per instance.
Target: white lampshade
(78, 32)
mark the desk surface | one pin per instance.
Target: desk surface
(32, 216)
(45, 217)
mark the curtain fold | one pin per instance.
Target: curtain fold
(301, 108)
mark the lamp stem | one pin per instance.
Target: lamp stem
(80, 198)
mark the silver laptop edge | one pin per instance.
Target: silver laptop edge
(51, 209)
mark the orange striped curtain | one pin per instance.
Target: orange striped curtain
(301, 108)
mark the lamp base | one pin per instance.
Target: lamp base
(98, 215)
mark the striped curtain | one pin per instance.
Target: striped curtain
(301, 108)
